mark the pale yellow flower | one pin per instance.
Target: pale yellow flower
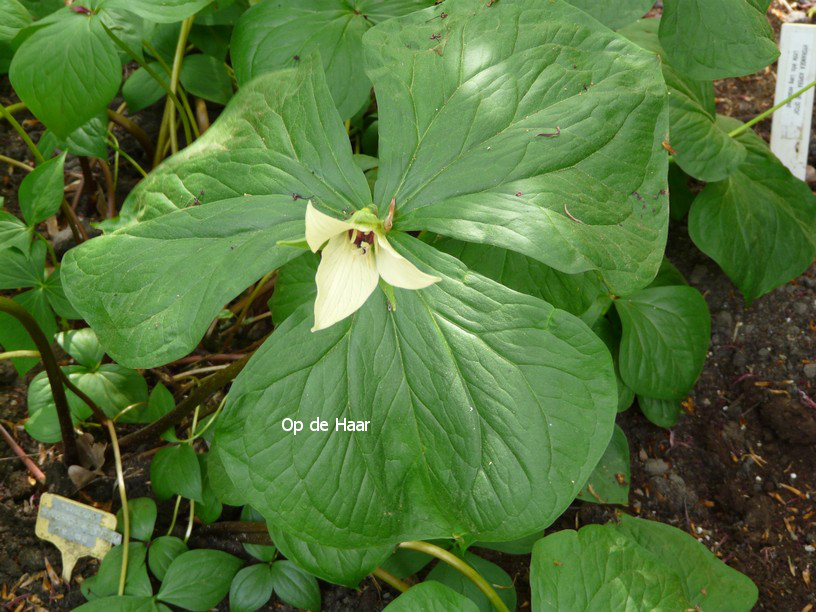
(355, 256)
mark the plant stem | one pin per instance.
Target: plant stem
(96, 410)
(22, 133)
(208, 386)
(746, 126)
(48, 247)
(18, 354)
(120, 479)
(71, 456)
(174, 79)
(124, 46)
(202, 116)
(16, 108)
(135, 131)
(175, 515)
(459, 565)
(132, 161)
(391, 579)
(186, 103)
(36, 472)
(190, 522)
(13, 162)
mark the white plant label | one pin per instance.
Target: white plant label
(790, 132)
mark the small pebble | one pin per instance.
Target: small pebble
(800, 308)
(656, 467)
(810, 370)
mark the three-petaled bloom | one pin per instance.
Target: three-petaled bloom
(356, 255)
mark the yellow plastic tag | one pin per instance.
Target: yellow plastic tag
(76, 529)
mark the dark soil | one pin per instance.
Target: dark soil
(738, 472)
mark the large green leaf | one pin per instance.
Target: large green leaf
(295, 286)
(702, 147)
(295, 586)
(609, 482)
(666, 331)
(709, 583)
(150, 290)
(488, 410)
(431, 597)
(67, 71)
(598, 568)
(206, 77)
(614, 13)
(279, 135)
(273, 35)
(759, 224)
(663, 413)
(574, 293)
(199, 579)
(539, 140)
(161, 11)
(717, 39)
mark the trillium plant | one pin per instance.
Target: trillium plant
(463, 207)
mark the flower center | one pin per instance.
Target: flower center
(361, 239)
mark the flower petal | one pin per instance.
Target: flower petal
(345, 278)
(320, 227)
(398, 271)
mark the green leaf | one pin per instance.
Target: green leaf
(55, 295)
(206, 77)
(207, 255)
(89, 140)
(295, 586)
(212, 40)
(614, 13)
(142, 511)
(162, 552)
(574, 293)
(209, 509)
(175, 471)
(717, 39)
(460, 120)
(67, 72)
(431, 597)
(141, 90)
(259, 551)
(83, 346)
(666, 331)
(680, 194)
(159, 403)
(295, 286)
(668, 275)
(251, 588)
(522, 546)
(42, 424)
(285, 138)
(405, 562)
(19, 270)
(223, 486)
(273, 35)
(15, 18)
(345, 566)
(702, 147)
(611, 336)
(611, 477)
(161, 11)
(663, 413)
(759, 224)
(495, 576)
(13, 233)
(199, 579)
(106, 581)
(42, 8)
(600, 568)
(435, 378)
(709, 583)
(111, 386)
(13, 335)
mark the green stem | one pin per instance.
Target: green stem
(134, 130)
(746, 126)
(19, 354)
(13, 162)
(120, 479)
(114, 143)
(391, 579)
(175, 515)
(51, 253)
(124, 46)
(16, 107)
(19, 129)
(71, 456)
(186, 25)
(462, 567)
(190, 115)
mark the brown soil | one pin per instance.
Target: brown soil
(740, 467)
